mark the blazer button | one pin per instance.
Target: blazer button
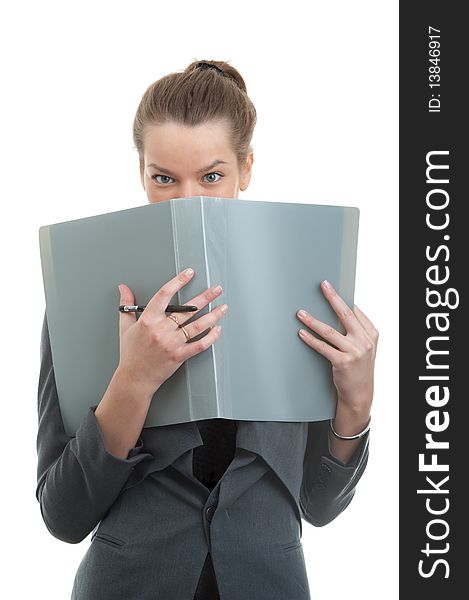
(209, 511)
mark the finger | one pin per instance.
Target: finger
(201, 301)
(366, 323)
(341, 308)
(327, 332)
(328, 351)
(203, 323)
(156, 307)
(190, 349)
(126, 320)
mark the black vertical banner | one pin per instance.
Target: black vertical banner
(434, 329)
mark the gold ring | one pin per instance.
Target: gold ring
(180, 326)
(174, 319)
(185, 332)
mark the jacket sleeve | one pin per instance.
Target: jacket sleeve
(77, 478)
(328, 484)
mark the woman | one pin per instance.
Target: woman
(212, 508)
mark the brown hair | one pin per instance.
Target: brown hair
(204, 91)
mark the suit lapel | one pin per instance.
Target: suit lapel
(280, 445)
(167, 443)
(163, 446)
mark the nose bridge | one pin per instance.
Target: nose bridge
(189, 188)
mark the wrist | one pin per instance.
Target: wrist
(356, 404)
(350, 422)
(124, 380)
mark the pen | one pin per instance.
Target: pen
(169, 308)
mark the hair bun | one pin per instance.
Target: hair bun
(205, 65)
(221, 67)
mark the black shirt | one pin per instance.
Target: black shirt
(210, 461)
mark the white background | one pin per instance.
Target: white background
(323, 78)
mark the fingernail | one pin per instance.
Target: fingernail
(326, 284)
(217, 290)
(301, 313)
(188, 272)
(119, 288)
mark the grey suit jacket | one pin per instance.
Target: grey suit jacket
(153, 522)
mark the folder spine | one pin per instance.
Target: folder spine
(215, 218)
(179, 268)
(190, 249)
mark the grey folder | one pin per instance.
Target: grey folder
(270, 258)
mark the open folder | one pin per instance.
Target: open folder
(269, 257)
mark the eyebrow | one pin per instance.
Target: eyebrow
(207, 168)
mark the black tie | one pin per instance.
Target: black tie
(209, 463)
(212, 459)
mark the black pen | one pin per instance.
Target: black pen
(169, 308)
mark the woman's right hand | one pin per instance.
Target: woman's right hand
(152, 348)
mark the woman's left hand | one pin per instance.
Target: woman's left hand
(352, 355)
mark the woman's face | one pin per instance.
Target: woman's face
(181, 162)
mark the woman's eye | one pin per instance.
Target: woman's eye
(217, 180)
(167, 177)
(155, 177)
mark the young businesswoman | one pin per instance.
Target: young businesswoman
(208, 509)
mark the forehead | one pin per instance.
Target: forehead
(174, 140)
